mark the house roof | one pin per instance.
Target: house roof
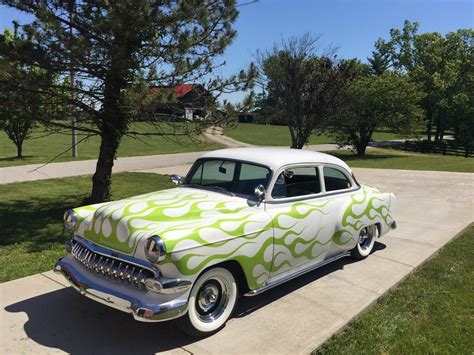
(275, 158)
(180, 90)
(183, 89)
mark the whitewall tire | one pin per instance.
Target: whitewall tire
(366, 242)
(211, 302)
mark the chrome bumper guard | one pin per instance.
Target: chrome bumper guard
(127, 300)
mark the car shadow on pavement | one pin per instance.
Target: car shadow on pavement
(65, 320)
(248, 305)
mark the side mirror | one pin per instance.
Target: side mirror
(176, 179)
(260, 192)
(288, 173)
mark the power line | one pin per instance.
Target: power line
(247, 3)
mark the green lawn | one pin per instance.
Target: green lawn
(279, 135)
(385, 158)
(41, 147)
(31, 213)
(268, 135)
(432, 312)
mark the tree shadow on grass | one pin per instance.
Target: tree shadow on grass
(37, 219)
(65, 320)
(14, 158)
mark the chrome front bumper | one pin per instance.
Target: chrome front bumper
(142, 304)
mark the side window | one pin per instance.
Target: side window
(297, 182)
(335, 179)
(250, 177)
(253, 172)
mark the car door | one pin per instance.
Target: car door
(299, 218)
(306, 204)
(340, 190)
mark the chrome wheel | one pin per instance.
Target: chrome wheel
(366, 242)
(212, 299)
(211, 302)
(365, 238)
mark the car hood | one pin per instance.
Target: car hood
(120, 225)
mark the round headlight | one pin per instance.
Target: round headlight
(70, 220)
(155, 249)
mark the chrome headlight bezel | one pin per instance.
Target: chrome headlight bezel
(155, 249)
(70, 220)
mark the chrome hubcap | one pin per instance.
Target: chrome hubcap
(365, 238)
(212, 299)
(208, 297)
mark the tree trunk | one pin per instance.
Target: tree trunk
(361, 150)
(361, 146)
(428, 130)
(293, 138)
(113, 127)
(103, 174)
(301, 140)
(361, 140)
(429, 124)
(19, 150)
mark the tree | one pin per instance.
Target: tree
(388, 100)
(379, 63)
(458, 104)
(20, 106)
(432, 60)
(117, 50)
(301, 87)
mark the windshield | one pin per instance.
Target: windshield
(230, 176)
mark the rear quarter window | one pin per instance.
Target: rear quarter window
(334, 179)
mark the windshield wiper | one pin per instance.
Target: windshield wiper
(220, 189)
(210, 187)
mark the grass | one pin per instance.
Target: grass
(41, 148)
(430, 312)
(385, 158)
(31, 213)
(279, 135)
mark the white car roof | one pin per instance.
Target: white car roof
(275, 158)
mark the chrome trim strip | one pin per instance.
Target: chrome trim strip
(310, 197)
(296, 274)
(117, 299)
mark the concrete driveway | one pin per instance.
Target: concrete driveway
(40, 315)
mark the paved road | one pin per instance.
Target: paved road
(40, 315)
(85, 167)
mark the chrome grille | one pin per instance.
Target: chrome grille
(112, 268)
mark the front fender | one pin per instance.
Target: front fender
(250, 244)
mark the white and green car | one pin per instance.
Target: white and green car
(241, 222)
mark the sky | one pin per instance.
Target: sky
(352, 26)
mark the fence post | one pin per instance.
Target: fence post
(444, 148)
(467, 152)
(406, 144)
